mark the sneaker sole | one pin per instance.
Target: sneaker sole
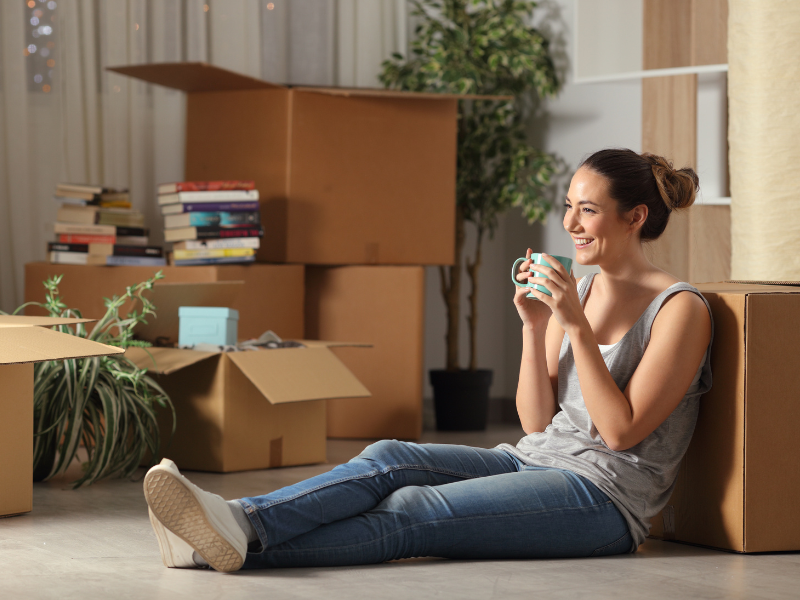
(177, 508)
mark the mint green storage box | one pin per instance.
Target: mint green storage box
(207, 325)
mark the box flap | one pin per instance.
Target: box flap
(165, 360)
(169, 297)
(194, 77)
(36, 344)
(324, 344)
(296, 374)
(759, 282)
(384, 93)
(26, 321)
(727, 287)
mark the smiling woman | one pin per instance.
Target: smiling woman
(606, 431)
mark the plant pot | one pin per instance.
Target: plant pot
(461, 399)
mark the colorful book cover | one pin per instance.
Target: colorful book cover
(203, 233)
(207, 219)
(173, 209)
(212, 253)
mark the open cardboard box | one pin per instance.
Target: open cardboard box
(345, 175)
(247, 410)
(24, 341)
(738, 482)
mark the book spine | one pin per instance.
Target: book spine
(214, 261)
(131, 231)
(219, 196)
(204, 186)
(58, 247)
(149, 251)
(203, 219)
(205, 233)
(252, 242)
(135, 261)
(69, 258)
(75, 238)
(76, 229)
(212, 253)
(220, 207)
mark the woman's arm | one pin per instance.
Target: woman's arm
(679, 338)
(537, 390)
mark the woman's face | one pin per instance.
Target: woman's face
(598, 231)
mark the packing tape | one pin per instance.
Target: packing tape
(669, 522)
(276, 452)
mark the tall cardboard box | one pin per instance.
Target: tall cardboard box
(346, 176)
(382, 306)
(24, 341)
(271, 296)
(738, 482)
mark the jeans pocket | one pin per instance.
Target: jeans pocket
(620, 546)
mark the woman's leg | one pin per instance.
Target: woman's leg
(364, 482)
(536, 512)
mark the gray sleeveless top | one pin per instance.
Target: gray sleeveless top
(639, 480)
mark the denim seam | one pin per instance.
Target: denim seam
(416, 525)
(601, 548)
(250, 511)
(372, 473)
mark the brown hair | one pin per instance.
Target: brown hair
(635, 179)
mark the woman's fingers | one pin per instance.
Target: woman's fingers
(557, 266)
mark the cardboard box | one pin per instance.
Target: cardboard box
(272, 296)
(239, 411)
(739, 480)
(346, 176)
(383, 306)
(24, 341)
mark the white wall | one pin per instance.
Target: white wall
(583, 118)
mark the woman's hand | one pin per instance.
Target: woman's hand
(534, 314)
(564, 302)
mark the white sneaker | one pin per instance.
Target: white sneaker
(175, 553)
(202, 521)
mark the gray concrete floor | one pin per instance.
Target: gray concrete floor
(97, 543)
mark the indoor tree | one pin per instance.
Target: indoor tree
(488, 48)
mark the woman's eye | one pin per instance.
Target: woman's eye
(589, 210)
(568, 206)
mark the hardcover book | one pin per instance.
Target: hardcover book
(173, 209)
(201, 186)
(200, 233)
(202, 219)
(218, 196)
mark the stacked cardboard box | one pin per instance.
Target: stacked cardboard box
(735, 489)
(97, 226)
(211, 222)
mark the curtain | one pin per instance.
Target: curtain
(63, 117)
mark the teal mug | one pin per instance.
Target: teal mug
(537, 259)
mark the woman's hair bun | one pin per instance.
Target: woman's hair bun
(678, 187)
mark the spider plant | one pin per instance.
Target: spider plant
(107, 404)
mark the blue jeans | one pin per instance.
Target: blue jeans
(402, 500)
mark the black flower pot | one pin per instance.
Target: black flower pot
(461, 399)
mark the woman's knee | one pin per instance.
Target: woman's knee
(384, 451)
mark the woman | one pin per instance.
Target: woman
(612, 371)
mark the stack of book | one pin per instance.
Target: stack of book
(97, 226)
(211, 222)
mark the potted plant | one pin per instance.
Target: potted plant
(483, 47)
(106, 403)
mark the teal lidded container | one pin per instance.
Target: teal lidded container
(207, 325)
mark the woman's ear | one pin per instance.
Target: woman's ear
(637, 217)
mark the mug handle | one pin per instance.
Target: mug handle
(514, 273)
